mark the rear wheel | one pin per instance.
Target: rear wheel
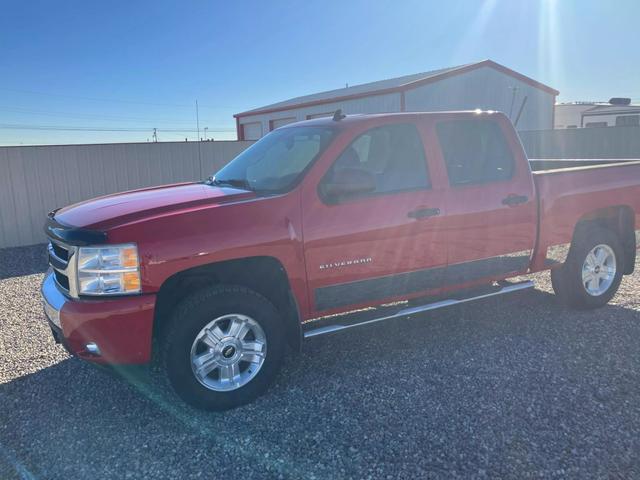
(224, 347)
(592, 273)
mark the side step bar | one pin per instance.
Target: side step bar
(515, 287)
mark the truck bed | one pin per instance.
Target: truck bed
(570, 191)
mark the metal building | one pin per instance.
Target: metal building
(617, 112)
(484, 85)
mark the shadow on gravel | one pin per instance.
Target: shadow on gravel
(509, 388)
(19, 261)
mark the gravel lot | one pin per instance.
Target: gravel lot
(511, 388)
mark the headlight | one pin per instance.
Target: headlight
(109, 270)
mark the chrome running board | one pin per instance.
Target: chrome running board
(407, 312)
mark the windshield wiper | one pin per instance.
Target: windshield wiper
(232, 182)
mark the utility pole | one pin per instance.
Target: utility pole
(199, 139)
(197, 120)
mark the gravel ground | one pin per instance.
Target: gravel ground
(516, 387)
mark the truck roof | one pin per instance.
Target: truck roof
(358, 118)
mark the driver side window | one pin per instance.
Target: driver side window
(392, 155)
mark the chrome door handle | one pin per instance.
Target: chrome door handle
(513, 200)
(424, 213)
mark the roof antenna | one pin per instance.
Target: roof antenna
(338, 115)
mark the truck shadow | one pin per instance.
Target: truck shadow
(412, 390)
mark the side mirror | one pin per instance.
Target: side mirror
(348, 182)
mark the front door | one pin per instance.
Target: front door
(384, 243)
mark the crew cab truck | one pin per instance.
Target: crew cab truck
(403, 213)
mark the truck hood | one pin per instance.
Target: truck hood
(106, 212)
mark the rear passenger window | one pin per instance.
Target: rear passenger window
(393, 155)
(475, 151)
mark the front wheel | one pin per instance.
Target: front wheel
(592, 273)
(224, 347)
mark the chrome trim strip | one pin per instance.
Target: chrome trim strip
(53, 300)
(70, 268)
(557, 254)
(113, 270)
(593, 160)
(57, 269)
(630, 163)
(419, 309)
(72, 272)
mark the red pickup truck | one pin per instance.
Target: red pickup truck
(325, 225)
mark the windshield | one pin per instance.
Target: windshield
(275, 162)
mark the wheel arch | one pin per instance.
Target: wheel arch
(619, 219)
(263, 274)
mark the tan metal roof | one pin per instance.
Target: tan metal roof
(387, 86)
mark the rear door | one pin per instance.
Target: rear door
(491, 206)
(383, 244)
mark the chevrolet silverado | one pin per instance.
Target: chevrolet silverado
(325, 225)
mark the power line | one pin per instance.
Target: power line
(10, 126)
(49, 113)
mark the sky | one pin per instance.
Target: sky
(132, 66)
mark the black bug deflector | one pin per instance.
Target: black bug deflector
(72, 235)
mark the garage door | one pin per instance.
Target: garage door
(280, 122)
(252, 131)
(320, 115)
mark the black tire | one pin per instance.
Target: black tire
(567, 280)
(191, 316)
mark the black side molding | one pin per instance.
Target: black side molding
(72, 235)
(375, 288)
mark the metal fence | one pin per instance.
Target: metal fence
(34, 180)
(599, 142)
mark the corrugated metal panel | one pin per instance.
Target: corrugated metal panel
(487, 89)
(35, 180)
(484, 87)
(389, 102)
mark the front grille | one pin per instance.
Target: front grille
(62, 279)
(59, 257)
(60, 252)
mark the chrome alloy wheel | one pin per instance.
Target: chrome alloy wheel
(228, 352)
(599, 270)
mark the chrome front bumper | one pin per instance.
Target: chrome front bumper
(53, 300)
